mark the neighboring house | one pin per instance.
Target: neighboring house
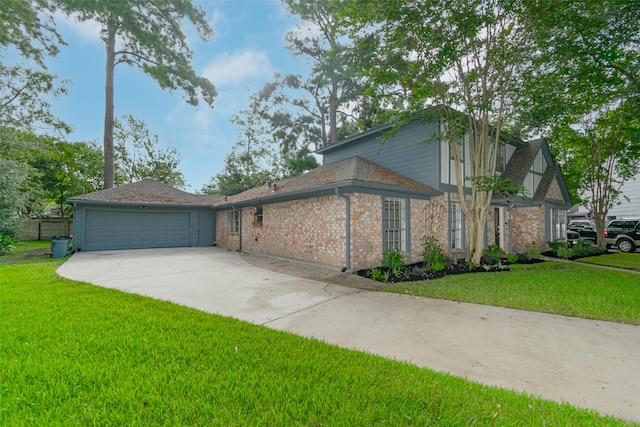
(627, 206)
(365, 199)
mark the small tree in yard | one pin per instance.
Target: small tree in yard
(138, 155)
(151, 37)
(601, 155)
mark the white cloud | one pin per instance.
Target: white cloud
(238, 68)
(219, 22)
(87, 31)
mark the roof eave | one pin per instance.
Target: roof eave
(349, 186)
(131, 204)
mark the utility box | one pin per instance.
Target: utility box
(60, 246)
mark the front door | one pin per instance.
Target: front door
(205, 228)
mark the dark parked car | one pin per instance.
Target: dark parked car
(582, 229)
(624, 234)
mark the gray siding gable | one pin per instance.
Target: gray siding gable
(413, 151)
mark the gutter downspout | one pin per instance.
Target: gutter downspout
(74, 247)
(347, 230)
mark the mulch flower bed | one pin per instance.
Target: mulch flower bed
(416, 272)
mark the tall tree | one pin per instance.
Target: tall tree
(240, 173)
(459, 55)
(22, 101)
(138, 155)
(66, 169)
(587, 57)
(320, 46)
(333, 92)
(253, 159)
(146, 34)
(583, 82)
(20, 195)
(265, 149)
(24, 26)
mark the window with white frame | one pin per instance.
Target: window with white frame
(257, 214)
(453, 180)
(448, 163)
(394, 224)
(233, 221)
(455, 225)
(534, 176)
(501, 159)
(558, 224)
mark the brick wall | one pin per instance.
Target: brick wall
(528, 228)
(428, 219)
(224, 238)
(366, 230)
(310, 230)
(314, 229)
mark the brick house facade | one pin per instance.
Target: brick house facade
(365, 199)
(337, 214)
(331, 215)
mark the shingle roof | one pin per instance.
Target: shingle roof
(521, 161)
(545, 182)
(149, 192)
(520, 164)
(352, 169)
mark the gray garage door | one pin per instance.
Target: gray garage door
(113, 229)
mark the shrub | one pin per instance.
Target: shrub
(500, 266)
(471, 266)
(512, 258)
(377, 274)
(432, 254)
(394, 261)
(6, 244)
(494, 253)
(563, 252)
(438, 266)
(584, 248)
(556, 245)
(533, 254)
(463, 264)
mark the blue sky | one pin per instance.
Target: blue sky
(247, 48)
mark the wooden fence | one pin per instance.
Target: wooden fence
(43, 229)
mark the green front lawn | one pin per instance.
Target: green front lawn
(77, 354)
(29, 250)
(618, 259)
(551, 287)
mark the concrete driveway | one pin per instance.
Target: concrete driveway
(589, 364)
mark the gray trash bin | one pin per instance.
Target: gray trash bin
(59, 246)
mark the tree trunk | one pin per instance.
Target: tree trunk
(333, 111)
(109, 163)
(476, 240)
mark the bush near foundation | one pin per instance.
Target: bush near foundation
(582, 248)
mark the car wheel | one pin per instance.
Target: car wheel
(625, 245)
